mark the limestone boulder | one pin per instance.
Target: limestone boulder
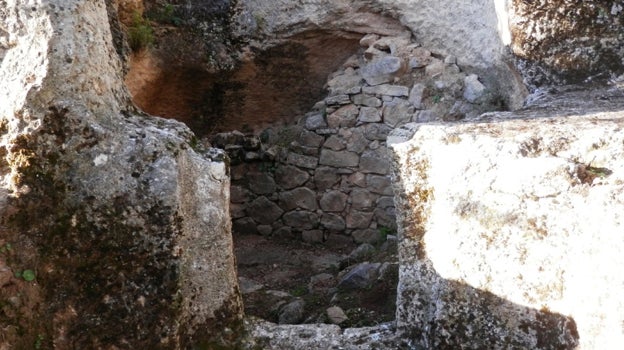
(116, 214)
(509, 252)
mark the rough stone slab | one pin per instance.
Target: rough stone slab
(366, 100)
(333, 201)
(301, 219)
(264, 211)
(333, 222)
(302, 161)
(358, 219)
(369, 115)
(336, 315)
(473, 88)
(339, 159)
(345, 116)
(310, 139)
(379, 184)
(325, 178)
(357, 141)
(361, 276)
(397, 112)
(335, 143)
(375, 161)
(377, 132)
(515, 221)
(387, 90)
(338, 100)
(302, 197)
(315, 121)
(289, 177)
(363, 199)
(261, 183)
(381, 70)
(345, 84)
(416, 96)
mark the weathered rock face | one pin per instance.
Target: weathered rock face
(509, 227)
(114, 230)
(568, 41)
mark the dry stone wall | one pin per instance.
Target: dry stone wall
(327, 178)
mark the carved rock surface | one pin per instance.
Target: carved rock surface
(120, 220)
(509, 227)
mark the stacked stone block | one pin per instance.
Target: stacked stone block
(327, 178)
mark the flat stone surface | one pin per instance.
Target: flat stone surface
(335, 143)
(288, 177)
(361, 276)
(357, 142)
(333, 201)
(387, 89)
(336, 315)
(339, 159)
(524, 240)
(292, 313)
(315, 121)
(382, 70)
(379, 184)
(310, 139)
(397, 112)
(358, 219)
(377, 132)
(366, 100)
(325, 178)
(473, 88)
(369, 115)
(247, 285)
(363, 199)
(302, 161)
(374, 162)
(301, 219)
(416, 95)
(261, 183)
(303, 198)
(264, 211)
(345, 116)
(312, 236)
(239, 194)
(333, 222)
(345, 84)
(337, 100)
(245, 226)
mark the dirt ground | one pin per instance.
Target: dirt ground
(274, 272)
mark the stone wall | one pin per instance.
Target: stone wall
(327, 178)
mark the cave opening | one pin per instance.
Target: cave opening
(306, 124)
(294, 214)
